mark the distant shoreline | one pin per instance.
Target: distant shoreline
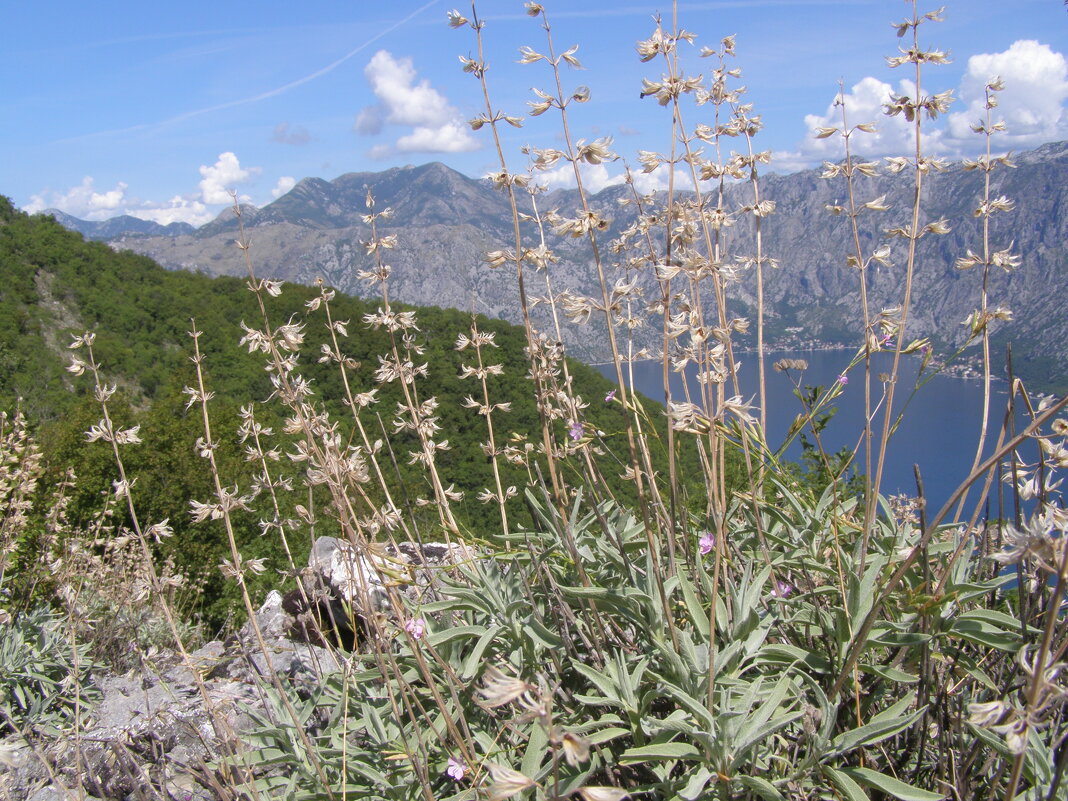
(962, 370)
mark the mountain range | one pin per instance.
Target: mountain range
(114, 227)
(446, 222)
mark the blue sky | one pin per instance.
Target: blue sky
(157, 109)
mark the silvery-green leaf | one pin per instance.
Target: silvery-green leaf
(891, 786)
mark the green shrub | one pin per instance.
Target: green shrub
(44, 677)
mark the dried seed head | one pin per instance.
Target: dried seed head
(576, 749)
(499, 689)
(507, 782)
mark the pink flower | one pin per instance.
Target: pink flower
(843, 379)
(611, 396)
(456, 769)
(575, 431)
(416, 627)
(781, 590)
(706, 543)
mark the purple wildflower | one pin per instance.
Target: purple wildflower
(843, 379)
(611, 396)
(781, 590)
(706, 543)
(456, 769)
(416, 627)
(575, 431)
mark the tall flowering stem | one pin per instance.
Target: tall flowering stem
(225, 502)
(106, 430)
(587, 224)
(508, 182)
(481, 371)
(860, 261)
(1005, 259)
(356, 403)
(414, 415)
(914, 109)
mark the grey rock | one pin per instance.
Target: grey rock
(151, 732)
(343, 588)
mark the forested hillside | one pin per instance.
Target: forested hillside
(54, 285)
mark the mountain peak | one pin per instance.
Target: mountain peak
(1051, 151)
(117, 227)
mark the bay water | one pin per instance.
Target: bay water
(939, 430)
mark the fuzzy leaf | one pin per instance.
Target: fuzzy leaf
(474, 659)
(762, 787)
(695, 787)
(604, 735)
(693, 606)
(995, 618)
(439, 637)
(537, 632)
(849, 789)
(985, 634)
(892, 674)
(890, 785)
(659, 751)
(872, 732)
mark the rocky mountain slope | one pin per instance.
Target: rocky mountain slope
(119, 227)
(446, 222)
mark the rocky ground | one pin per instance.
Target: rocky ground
(166, 730)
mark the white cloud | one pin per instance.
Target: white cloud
(786, 162)
(1032, 103)
(864, 104)
(285, 183)
(85, 202)
(186, 209)
(405, 104)
(216, 183)
(218, 179)
(380, 151)
(596, 177)
(657, 180)
(452, 137)
(1032, 106)
(81, 201)
(437, 126)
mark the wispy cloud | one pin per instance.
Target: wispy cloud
(285, 135)
(713, 5)
(262, 95)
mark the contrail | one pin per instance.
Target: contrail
(263, 95)
(714, 5)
